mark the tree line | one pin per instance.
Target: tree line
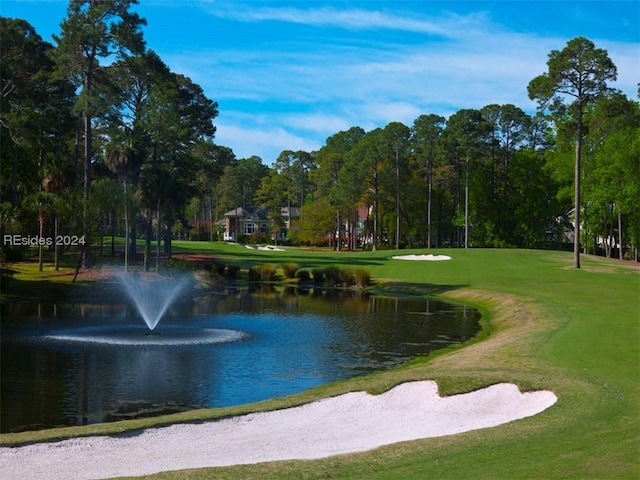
(101, 139)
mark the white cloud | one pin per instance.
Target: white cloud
(248, 139)
(299, 93)
(358, 19)
(318, 122)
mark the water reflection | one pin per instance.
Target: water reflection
(293, 340)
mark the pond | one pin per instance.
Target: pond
(80, 363)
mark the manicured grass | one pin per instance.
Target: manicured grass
(576, 332)
(24, 280)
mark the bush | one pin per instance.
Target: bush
(219, 267)
(290, 269)
(262, 273)
(232, 271)
(347, 277)
(178, 264)
(318, 275)
(254, 274)
(258, 238)
(303, 275)
(332, 276)
(11, 254)
(362, 277)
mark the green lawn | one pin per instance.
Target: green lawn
(576, 332)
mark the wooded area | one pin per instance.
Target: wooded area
(100, 138)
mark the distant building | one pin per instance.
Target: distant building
(287, 214)
(255, 220)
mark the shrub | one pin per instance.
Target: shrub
(318, 275)
(332, 276)
(262, 273)
(347, 277)
(232, 271)
(11, 254)
(303, 275)
(178, 264)
(268, 273)
(258, 238)
(290, 269)
(362, 277)
(254, 273)
(219, 267)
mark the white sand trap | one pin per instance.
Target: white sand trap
(353, 422)
(271, 248)
(267, 248)
(431, 257)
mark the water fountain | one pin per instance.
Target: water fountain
(152, 297)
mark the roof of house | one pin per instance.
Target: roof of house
(248, 213)
(258, 214)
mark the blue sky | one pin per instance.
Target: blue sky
(288, 74)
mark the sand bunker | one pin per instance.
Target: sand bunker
(430, 257)
(266, 248)
(353, 422)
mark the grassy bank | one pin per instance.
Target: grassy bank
(576, 332)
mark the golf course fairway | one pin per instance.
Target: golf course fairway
(547, 326)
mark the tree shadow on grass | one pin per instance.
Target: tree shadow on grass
(33, 290)
(249, 257)
(306, 261)
(412, 288)
(49, 290)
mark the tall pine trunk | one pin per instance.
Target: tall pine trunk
(87, 164)
(620, 255)
(429, 200)
(126, 227)
(338, 229)
(466, 206)
(56, 248)
(158, 235)
(576, 228)
(397, 199)
(148, 233)
(40, 237)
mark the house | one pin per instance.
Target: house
(249, 221)
(288, 214)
